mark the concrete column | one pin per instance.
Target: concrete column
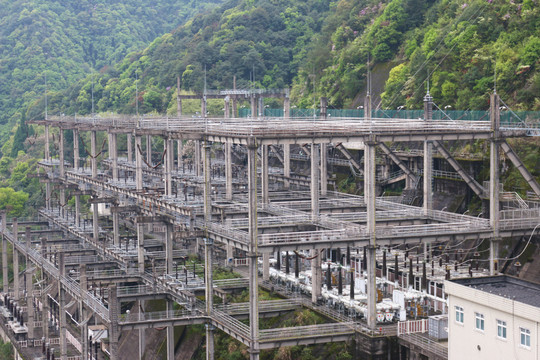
(209, 296)
(149, 149)
(16, 280)
(316, 276)
(82, 311)
(93, 153)
(197, 161)
(203, 107)
(227, 113)
(252, 254)
(286, 147)
(140, 247)
(129, 140)
(77, 210)
(95, 222)
(260, 112)
(253, 106)
(428, 158)
(113, 154)
(180, 149)
(494, 185)
(266, 266)
(208, 244)
(169, 248)
(61, 307)
(61, 153)
(30, 301)
(63, 202)
(138, 164)
(264, 174)
(316, 272)
(47, 154)
(114, 330)
(169, 164)
(228, 172)
(286, 164)
(142, 338)
(116, 228)
(323, 106)
(369, 198)
(170, 333)
(76, 150)
(324, 170)
(48, 194)
(314, 181)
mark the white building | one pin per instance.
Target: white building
(494, 317)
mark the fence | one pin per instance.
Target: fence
(413, 326)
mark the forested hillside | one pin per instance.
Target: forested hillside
(461, 44)
(262, 43)
(62, 41)
(322, 48)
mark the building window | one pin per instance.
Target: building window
(525, 338)
(479, 321)
(501, 329)
(459, 314)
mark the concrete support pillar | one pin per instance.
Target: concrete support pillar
(116, 228)
(82, 311)
(47, 154)
(30, 301)
(169, 235)
(149, 149)
(286, 164)
(61, 307)
(315, 181)
(323, 106)
(93, 154)
(316, 275)
(138, 164)
(227, 107)
(77, 210)
(428, 158)
(316, 272)
(324, 170)
(209, 296)
(170, 333)
(180, 154)
(48, 193)
(266, 266)
(140, 247)
(252, 254)
(260, 106)
(114, 330)
(494, 185)
(253, 106)
(208, 244)
(16, 282)
(228, 172)
(286, 147)
(369, 198)
(129, 140)
(203, 107)
(169, 163)
(197, 161)
(76, 150)
(113, 154)
(264, 174)
(95, 222)
(61, 153)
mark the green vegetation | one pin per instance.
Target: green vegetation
(6, 351)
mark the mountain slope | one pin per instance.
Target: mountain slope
(62, 41)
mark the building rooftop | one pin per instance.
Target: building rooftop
(506, 286)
